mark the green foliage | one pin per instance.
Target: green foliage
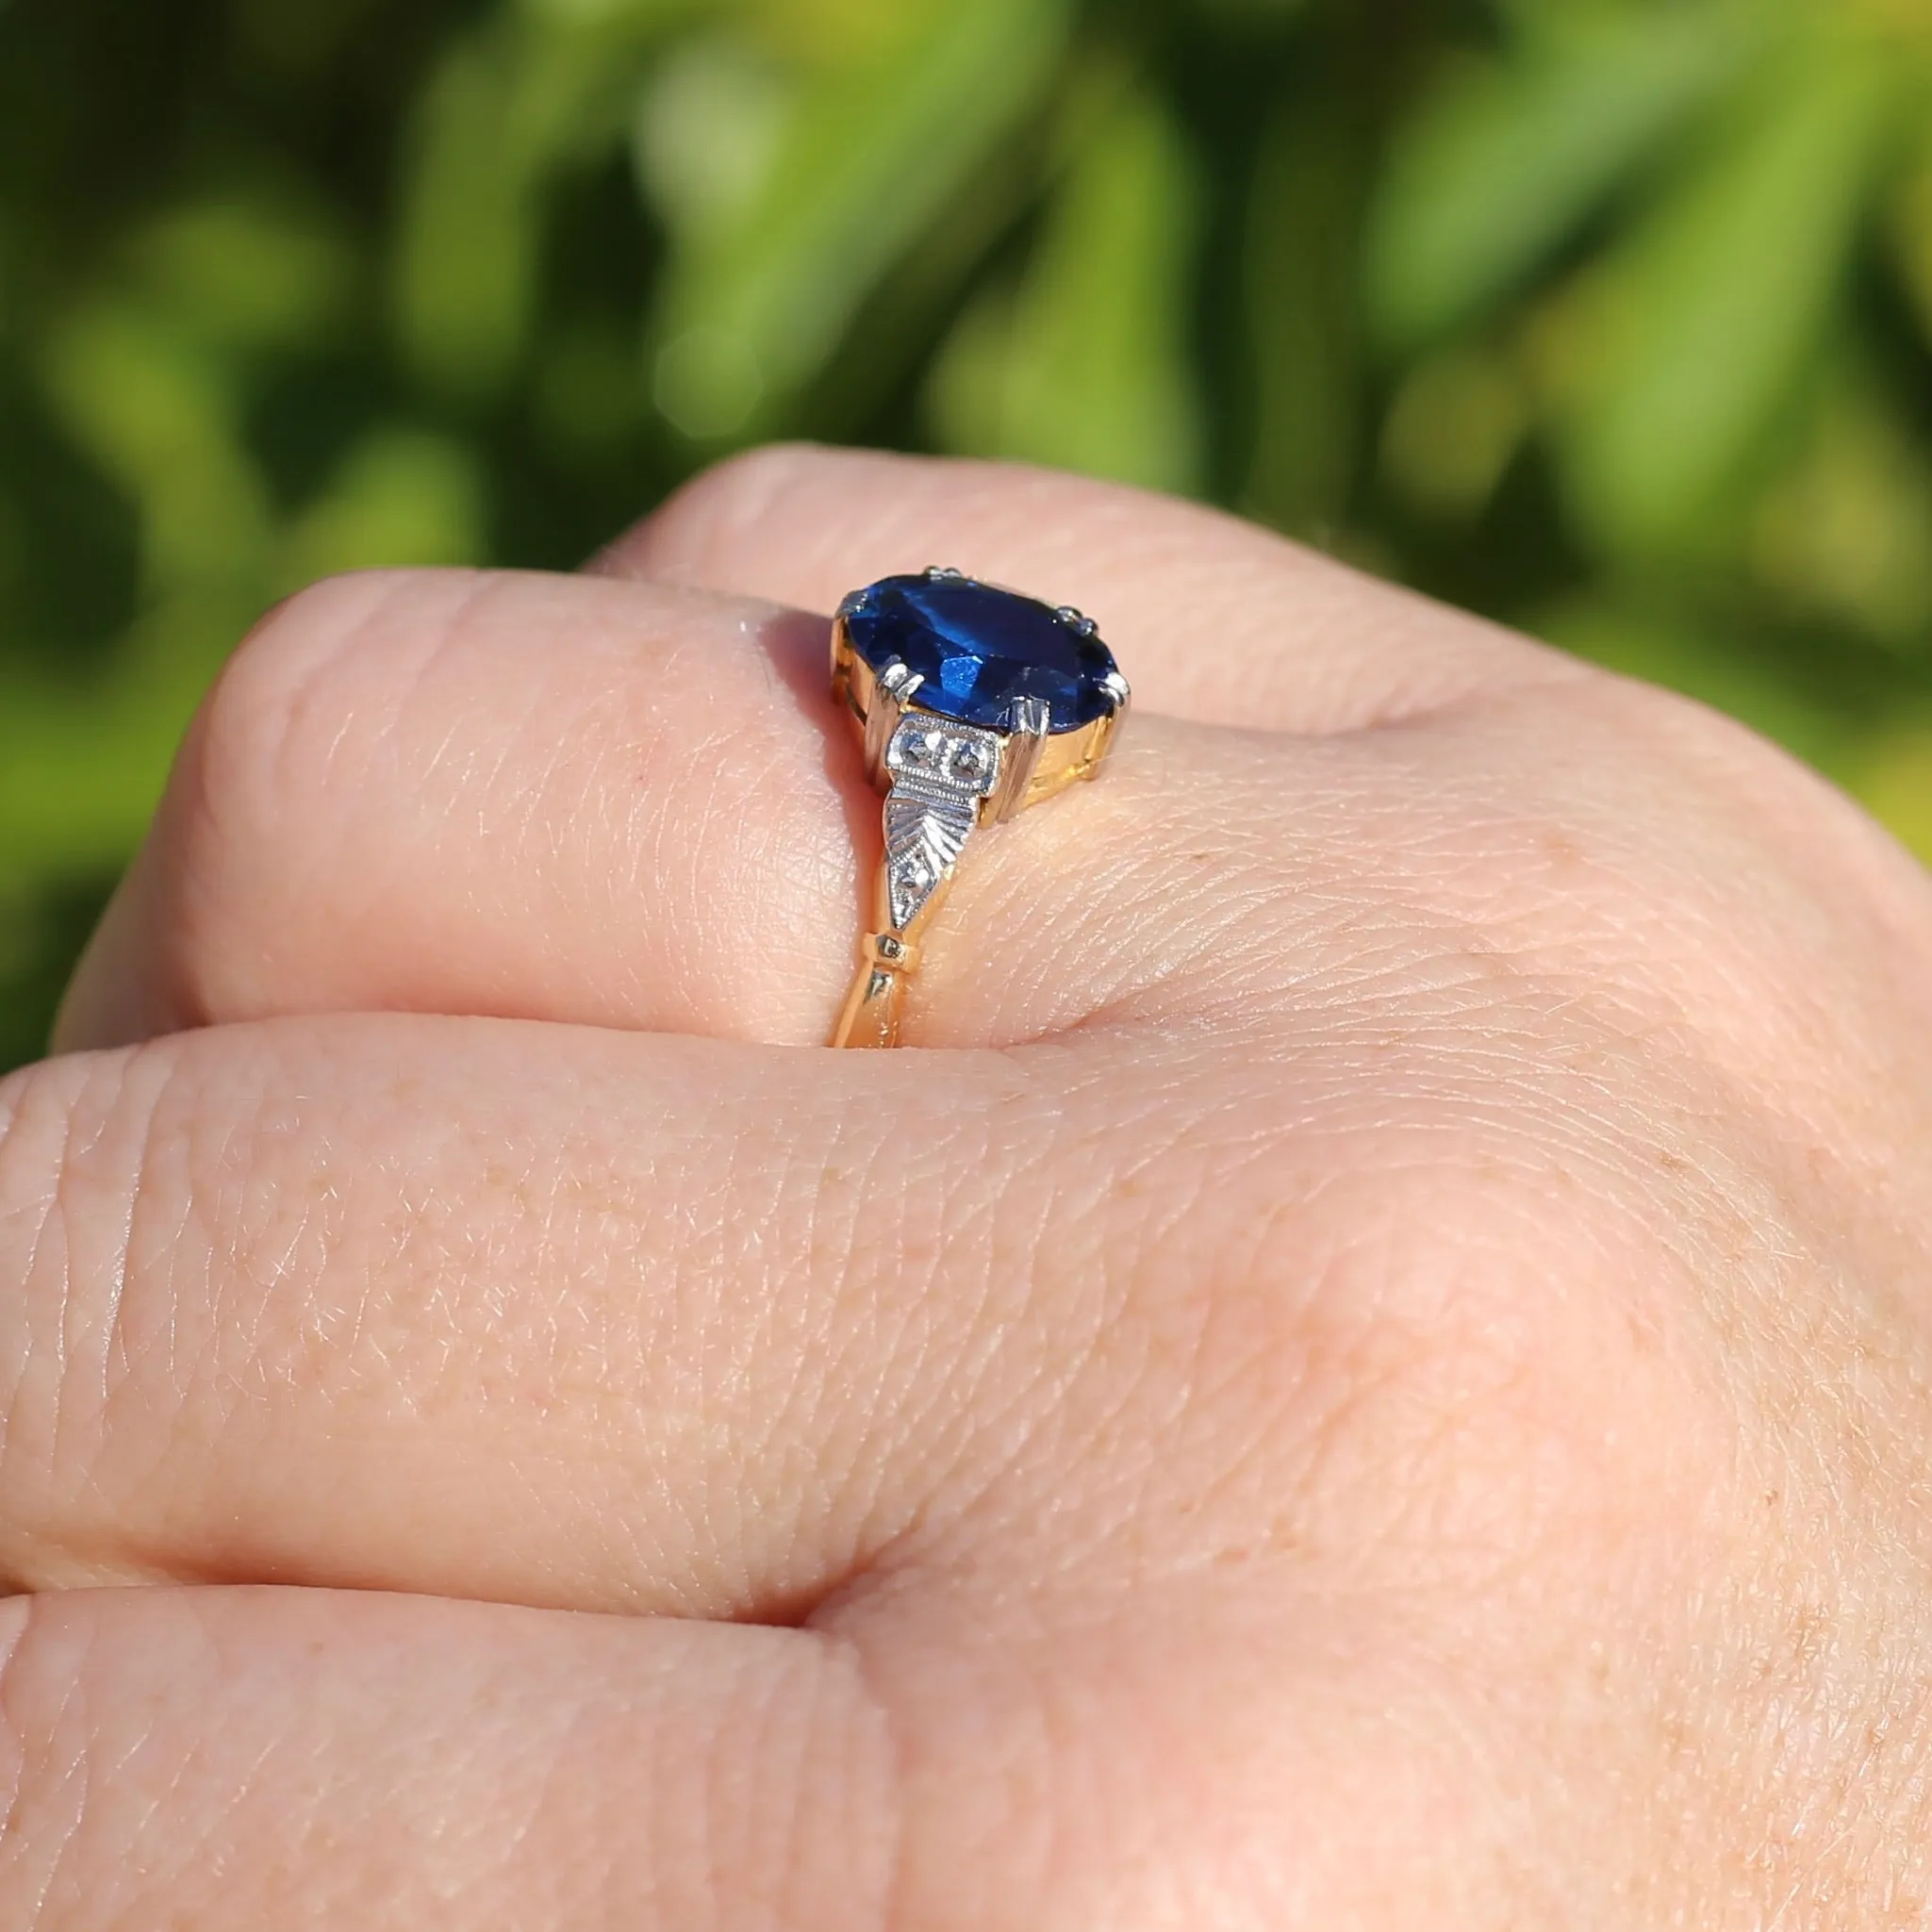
(1085, 363)
(1609, 317)
(1503, 159)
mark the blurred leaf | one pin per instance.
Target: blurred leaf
(618, 22)
(1911, 229)
(1508, 155)
(760, 293)
(1301, 284)
(1458, 418)
(465, 280)
(299, 36)
(1087, 364)
(248, 270)
(709, 129)
(160, 415)
(80, 769)
(1896, 783)
(1847, 531)
(1703, 327)
(513, 103)
(1248, 12)
(589, 391)
(401, 497)
(1702, 663)
(39, 931)
(832, 38)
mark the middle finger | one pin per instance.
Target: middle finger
(528, 1313)
(576, 1319)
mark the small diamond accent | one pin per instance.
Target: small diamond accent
(954, 758)
(940, 772)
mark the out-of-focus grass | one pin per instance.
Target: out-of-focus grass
(1607, 317)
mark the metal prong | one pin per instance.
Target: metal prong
(1020, 758)
(945, 573)
(1115, 687)
(892, 691)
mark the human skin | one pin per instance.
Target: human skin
(1368, 1369)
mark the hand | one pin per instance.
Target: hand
(1380, 1382)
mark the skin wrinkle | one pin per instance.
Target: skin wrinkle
(319, 1899)
(1353, 1369)
(76, 1156)
(281, 732)
(16, 1615)
(73, 1770)
(966, 1385)
(534, 796)
(1712, 943)
(890, 1829)
(42, 1209)
(869, 1541)
(1085, 1366)
(1732, 1098)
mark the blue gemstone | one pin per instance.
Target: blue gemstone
(978, 648)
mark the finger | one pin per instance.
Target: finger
(530, 1313)
(619, 805)
(395, 800)
(236, 1761)
(521, 796)
(574, 1319)
(1212, 618)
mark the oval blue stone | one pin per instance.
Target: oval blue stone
(978, 648)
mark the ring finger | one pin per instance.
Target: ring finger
(398, 801)
(624, 804)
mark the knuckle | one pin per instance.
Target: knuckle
(275, 756)
(734, 497)
(280, 699)
(1709, 767)
(1461, 1344)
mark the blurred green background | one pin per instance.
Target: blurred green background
(1607, 317)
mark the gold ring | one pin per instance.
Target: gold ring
(972, 704)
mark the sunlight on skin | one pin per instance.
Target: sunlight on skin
(1377, 1380)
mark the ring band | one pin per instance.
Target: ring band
(972, 704)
